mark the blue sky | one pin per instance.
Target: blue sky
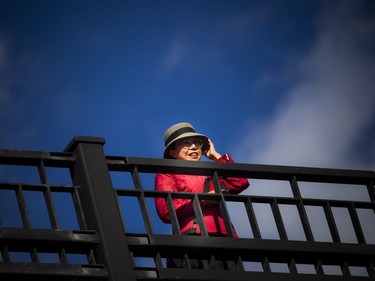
(270, 82)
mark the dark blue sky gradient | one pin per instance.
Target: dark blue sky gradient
(127, 70)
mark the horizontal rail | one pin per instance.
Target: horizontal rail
(47, 240)
(254, 171)
(33, 158)
(38, 187)
(243, 198)
(233, 275)
(154, 165)
(44, 271)
(253, 249)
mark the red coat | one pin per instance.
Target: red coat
(184, 207)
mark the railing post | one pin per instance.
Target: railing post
(100, 207)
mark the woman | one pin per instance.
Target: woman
(183, 143)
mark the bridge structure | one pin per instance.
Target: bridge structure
(88, 216)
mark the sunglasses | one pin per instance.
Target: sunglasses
(198, 143)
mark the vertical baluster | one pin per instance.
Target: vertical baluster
(278, 220)
(173, 216)
(223, 205)
(78, 208)
(142, 201)
(252, 219)
(199, 216)
(301, 210)
(51, 208)
(22, 207)
(356, 224)
(331, 222)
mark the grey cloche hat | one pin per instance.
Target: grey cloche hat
(181, 131)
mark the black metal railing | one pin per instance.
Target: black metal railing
(82, 215)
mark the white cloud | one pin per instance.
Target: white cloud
(18, 94)
(242, 25)
(174, 56)
(205, 44)
(330, 107)
(326, 112)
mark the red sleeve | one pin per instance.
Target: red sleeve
(183, 207)
(163, 182)
(236, 185)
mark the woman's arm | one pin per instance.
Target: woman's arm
(235, 185)
(183, 207)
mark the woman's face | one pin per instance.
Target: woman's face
(187, 149)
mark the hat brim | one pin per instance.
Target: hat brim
(183, 136)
